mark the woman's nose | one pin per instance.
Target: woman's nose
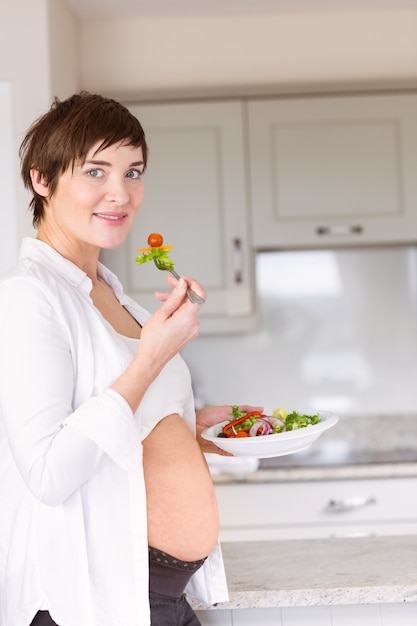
(117, 191)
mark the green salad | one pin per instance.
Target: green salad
(256, 424)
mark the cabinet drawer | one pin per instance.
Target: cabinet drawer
(314, 509)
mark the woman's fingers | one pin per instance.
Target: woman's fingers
(172, 326)
(173, 282)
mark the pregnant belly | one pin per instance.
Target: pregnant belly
(181, 502)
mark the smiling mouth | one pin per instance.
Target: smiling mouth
(113, 217)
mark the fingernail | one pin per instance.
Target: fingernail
(180, 283)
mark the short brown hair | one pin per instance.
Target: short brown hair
(65, 134)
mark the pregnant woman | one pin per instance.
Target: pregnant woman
(107, 508)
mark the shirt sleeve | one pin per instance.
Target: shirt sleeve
(55, 447)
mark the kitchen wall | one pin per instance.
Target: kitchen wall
(8, 236)
(247, 53)
(38, 59)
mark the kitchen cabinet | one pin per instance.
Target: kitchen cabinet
(195, 196)
(331, 171)
(317, 509)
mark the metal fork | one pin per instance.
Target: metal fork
(192, 295)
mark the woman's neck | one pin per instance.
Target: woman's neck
(84, 257)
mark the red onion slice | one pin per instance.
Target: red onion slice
(260, 424)
(276, 421)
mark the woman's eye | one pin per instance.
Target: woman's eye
(134, 174)
(95, 173)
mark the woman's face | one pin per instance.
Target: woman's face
(95, 205)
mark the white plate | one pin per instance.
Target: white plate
(267, 446)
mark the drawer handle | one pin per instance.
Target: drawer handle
(344, 505)
(341, 230)
(237, 260)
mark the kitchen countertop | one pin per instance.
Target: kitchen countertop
(319, 572)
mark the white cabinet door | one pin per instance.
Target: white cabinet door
(195, 196)
(328, 171)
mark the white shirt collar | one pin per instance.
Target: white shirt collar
(35, 249)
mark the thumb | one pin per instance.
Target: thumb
(176, 298)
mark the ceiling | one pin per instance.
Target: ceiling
(112, 9)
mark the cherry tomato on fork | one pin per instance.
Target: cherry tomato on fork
(155, 240)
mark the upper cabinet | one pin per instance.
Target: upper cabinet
(195, 196)
(329, 171)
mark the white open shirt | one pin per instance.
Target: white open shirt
(73, 535)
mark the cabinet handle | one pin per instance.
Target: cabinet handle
(237, 260)
(340, 230)
(344, 505)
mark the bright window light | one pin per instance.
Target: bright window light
(298, 274)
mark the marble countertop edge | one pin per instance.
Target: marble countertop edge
(317, 597)
(328, 472)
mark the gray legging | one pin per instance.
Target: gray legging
(166, 611)
(42, 618)
(168, 578)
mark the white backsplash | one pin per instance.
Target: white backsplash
(338, 332)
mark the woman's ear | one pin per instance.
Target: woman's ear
(39, 183)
